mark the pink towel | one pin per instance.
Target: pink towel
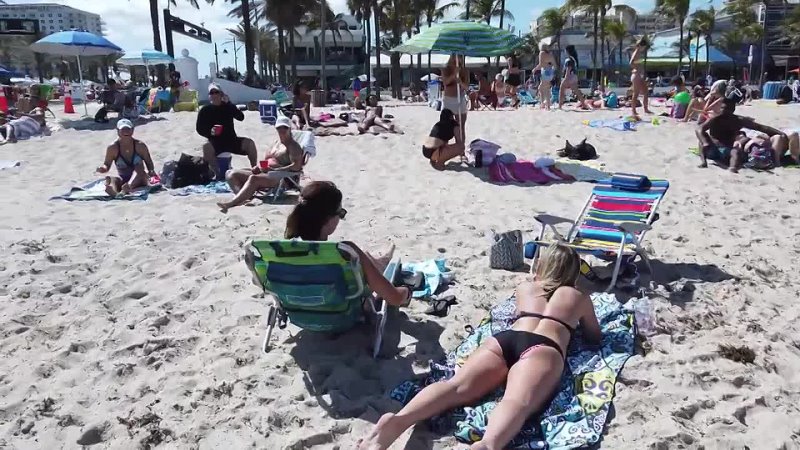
(524, 172)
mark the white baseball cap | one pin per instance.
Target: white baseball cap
(283, 122)
(213, 87)
(124, 123)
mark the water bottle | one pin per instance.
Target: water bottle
(644, 314)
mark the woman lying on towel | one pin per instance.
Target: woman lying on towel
(23, 127)
(374, 117)
(315, 218)
(286, 156)
(529, 358)
(130, 156)
(436, 147)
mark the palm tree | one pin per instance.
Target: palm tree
(590, 7)
(377, 9)
(553, 22)
(732, 41)
(677, 10)
(394, 17)
(703, 23)
(486, 10)
(362, 11)
(619, 32)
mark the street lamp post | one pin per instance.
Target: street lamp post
(216, 60)
(235, 53)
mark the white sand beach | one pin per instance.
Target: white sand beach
(135, 324)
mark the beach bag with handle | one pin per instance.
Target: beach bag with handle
(760, 158)
(506, 251)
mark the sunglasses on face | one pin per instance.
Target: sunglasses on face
(342, 213)
(214, 93)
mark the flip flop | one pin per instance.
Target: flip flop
(440, 306)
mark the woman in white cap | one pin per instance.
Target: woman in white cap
(130, 156)
(285, 155)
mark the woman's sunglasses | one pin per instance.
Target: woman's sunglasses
(342, 213)
(214, 92)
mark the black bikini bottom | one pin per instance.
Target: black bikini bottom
(428, 152)
(515, 343)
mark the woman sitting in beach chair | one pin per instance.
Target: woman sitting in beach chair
(301, 103)
(286, 155)
(529, 358)
(436, 146)
(316, 216)
(131, 156)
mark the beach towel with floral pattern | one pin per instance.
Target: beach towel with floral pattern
(578, 413)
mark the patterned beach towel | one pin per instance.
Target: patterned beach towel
(96, 190)
(579, 411)
(615, 124)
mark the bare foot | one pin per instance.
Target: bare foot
(733, 169)
(386, 431)
(703, 165)
(223, 207)
(111, 191)
(647, 111)
(125, 188)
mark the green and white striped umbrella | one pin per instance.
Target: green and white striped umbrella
(462, 38)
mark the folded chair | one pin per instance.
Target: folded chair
(318, 286)
(612, 223)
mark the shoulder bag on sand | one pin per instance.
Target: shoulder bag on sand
(506, 251)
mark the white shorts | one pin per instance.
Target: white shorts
(455, 104)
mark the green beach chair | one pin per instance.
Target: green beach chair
(318, 286)
(613, 222)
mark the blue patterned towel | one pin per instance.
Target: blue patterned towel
(579, 411)
(96, 190)
(215, 187)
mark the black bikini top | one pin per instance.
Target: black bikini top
(542, 316)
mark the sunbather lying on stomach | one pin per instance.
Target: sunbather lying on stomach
(285, 155)
(528, 358)
(315, 218)
(130, 156)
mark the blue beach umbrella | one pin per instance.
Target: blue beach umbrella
(145, 58)
(77, 44)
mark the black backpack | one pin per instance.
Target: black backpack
(581, 152)
(190, 170)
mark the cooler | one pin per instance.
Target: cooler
(772, 89)
(268, 109)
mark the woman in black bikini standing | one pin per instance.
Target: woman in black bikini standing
(529, 358)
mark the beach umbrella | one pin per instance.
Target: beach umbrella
(77, 44)
(5, 72)
(146, 58)
(429, 77)
(462, 38)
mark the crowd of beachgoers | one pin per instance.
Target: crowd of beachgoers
(529, 358)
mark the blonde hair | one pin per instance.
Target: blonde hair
(559, 266)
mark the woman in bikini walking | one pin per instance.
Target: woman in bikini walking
(456, 85)
(529, 358)
(637, 77)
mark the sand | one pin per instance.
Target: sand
(130, 324)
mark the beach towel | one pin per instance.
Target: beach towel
(95, 190)
(215, 187)
(522, 171)
(8, 164)
(432, 274)
(620, 124)
(583, 171)
(578, 413)
(790, 165)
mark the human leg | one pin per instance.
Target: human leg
(645, 96)
(237, 178)
(529, 389)
(562, 93)
(446, 153)
(794, 146)
(210, 157)
(113, 186)
(483, 371)
(253, 184)
(248, 147)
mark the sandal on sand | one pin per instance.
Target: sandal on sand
(440, 306)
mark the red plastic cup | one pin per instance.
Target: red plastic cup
(264, 165)
(217, 130)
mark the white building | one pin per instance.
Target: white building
(53, 17)
(637, 23)
(344, 47)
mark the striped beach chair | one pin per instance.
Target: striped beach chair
(613, 222)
